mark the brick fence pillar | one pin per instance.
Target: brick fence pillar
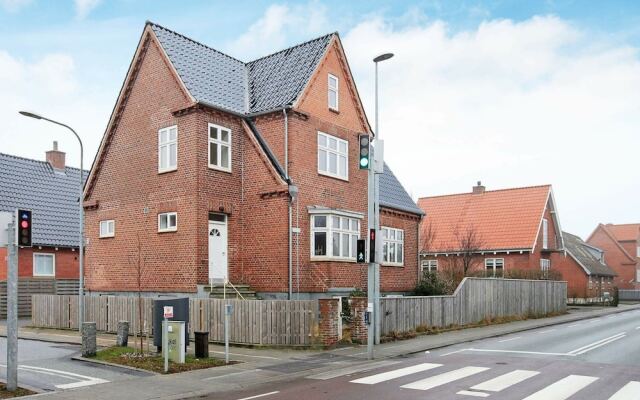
(359, 330)
(328, 325)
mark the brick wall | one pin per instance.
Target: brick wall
(328, 321)
(401, 278)
(616, 259)
(359, 329)
(66, 262)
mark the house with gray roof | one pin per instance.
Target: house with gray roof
(216, 170)
(50, 190)
(584, 268)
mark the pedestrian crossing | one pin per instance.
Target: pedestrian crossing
(439, 375)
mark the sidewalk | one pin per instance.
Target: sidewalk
(261, 366)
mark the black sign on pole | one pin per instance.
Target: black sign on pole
(361, 255)
(23, 230)
(372, 245)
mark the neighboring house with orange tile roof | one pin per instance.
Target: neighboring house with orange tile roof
(509, 229)
(621, 246)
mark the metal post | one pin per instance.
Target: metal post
(165, 343)
(12, 307)
(227, 314)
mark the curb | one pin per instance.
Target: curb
(126, 367)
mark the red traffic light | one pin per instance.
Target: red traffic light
(24, 224)
(372, 234)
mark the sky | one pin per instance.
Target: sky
(510, 93)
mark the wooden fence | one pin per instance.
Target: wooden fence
(474, 300)
(30, 286)
(265, 322)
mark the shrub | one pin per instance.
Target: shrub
(430, 285)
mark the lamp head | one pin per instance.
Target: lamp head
(30, 114)
(383, 57)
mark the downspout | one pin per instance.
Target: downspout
(286, 172)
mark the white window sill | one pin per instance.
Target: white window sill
(164, 171)
(330, 175)
(168, 230)
(44, 276)
(333, 259)
(392, 265)
(216, 168)
(107, 236)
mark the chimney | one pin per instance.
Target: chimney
(478, 189)
(56, 157)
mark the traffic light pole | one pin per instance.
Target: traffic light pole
(12, 306)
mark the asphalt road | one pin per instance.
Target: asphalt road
(590, 360)
(48, 366)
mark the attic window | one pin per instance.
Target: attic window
(333, 92)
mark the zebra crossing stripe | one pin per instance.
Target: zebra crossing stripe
(396, 373)
(504, 381)
(630, 391)
(442, 379)
(564, 388)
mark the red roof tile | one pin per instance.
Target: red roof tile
(503, 219)
(624, 232)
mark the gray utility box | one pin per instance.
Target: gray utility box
(180, 313)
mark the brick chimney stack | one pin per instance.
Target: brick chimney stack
(56, 157)
(478, 189)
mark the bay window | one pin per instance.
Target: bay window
(334, 236)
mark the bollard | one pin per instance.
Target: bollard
(89, 344)
(202, 344)
(122, 338)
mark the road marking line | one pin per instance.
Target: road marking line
(571, 326)
(230, 374)
(453, 352)
(245, 355)
(508, 340)
(588, 347)
(442, 379)
(396, 373)
(81, 384)
(594, 320)
(351, 370)
(547, 331)
(342, 349)
(600, 345)
(564, 388)
(83, 379)
(475, 394)
(259, 395)
(504, 381)
(519, 352)
(630, 391)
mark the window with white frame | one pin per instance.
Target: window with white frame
(545, 233)
(638, 251)
(333, 92)
(219, 147)
(168, 222)
(494, 266)
(333, 156)
(44, 264)
(392, 246)
(107, 228)
(545, 265)
(334, 236)
(638, 275)
(168, 149)
(429, 265)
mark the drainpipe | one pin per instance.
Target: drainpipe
(291, 195)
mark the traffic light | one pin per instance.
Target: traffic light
(361, 251)
(372, 245)
(363, 139)
(24, 228)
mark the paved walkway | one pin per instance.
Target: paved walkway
(271, 365)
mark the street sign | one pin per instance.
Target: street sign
(168, 311)
(5, 220)
(361, 251)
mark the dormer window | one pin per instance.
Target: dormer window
(545, 234)
(333, 92)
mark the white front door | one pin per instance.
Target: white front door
(218, 251)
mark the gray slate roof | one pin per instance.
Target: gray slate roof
(222, 81)
(584, 254)
(393, 195)
(51, 195)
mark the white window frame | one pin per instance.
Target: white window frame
(335, 90)
(327, 154)
(638, 251)
(637, 275)
(429, 266)
(545, 266)
(329, 231)
(168, 215)
(53, 260)
(109, 232)
(221, 143)
(165, 147)
(490, 264)
(388, 242)
(545, 233)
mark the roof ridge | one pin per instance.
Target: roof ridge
(293, 47)
(36, 161)
(486, 191)
(195, 41)
(628, 224)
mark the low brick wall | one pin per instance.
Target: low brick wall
(359, 330)
(328, 324)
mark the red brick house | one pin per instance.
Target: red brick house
(621, 246)
(215, 169)
(584, 268)
(50, 189)
(501, 230)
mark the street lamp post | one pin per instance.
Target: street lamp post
(373, 222)
(80, 201)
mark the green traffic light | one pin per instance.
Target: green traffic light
(364, 162)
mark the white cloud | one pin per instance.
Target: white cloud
(13, 6)
(84, 7)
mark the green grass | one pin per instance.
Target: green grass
(127, 356)
(5, 394)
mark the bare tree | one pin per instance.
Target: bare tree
(428, 236)
(469, 243)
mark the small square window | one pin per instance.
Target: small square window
(107, 228)
(44, 264)
(168, 222)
